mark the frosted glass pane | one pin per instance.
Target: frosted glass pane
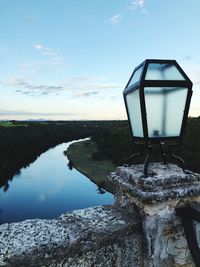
(133, 105)
(165, 110)
(136, 76)
(157, 71)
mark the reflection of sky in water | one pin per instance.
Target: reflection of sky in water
(48, 188)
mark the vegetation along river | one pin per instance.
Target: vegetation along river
(48, 188)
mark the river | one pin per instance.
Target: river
(47, 188)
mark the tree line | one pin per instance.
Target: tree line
(115, 142)
(22, 144)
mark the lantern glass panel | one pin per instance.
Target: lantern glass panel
(156, 71)
(136, 76)
(165, 110)
(134, 111)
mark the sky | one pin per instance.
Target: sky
(71, 59)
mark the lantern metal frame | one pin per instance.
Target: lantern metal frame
(140, 85)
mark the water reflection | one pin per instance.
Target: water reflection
(48, 188)
(70, 165)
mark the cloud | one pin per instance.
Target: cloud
(38, 46)
(105, 86)
(87, 82)
(84, 94)
(115, 20)
(133, 5)
(27, 88)
(49, 52)
(77, 86)
(138, 4)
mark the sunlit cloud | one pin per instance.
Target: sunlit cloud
(116, 19)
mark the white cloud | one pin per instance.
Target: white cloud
(138, 3)
(135, 4)
(115, 20)
(38, 46)
(76, 86)
(47, 51)
(30, 89)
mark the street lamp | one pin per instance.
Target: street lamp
(157, 99)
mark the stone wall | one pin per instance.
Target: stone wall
(98, 236)
(140, 230)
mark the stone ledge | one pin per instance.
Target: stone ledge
(65, 241)
(167, 182)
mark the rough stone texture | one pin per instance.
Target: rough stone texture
(165, 182)
(140, 230)
(99, 236)
(156, 199)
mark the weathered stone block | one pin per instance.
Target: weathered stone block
(156, 199)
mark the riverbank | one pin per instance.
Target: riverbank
(48, 188)
(81, 156)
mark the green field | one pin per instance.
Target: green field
(81, 154)
(11, 124)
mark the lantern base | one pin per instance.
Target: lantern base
(149, 150)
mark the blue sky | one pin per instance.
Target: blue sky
(71, 59)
